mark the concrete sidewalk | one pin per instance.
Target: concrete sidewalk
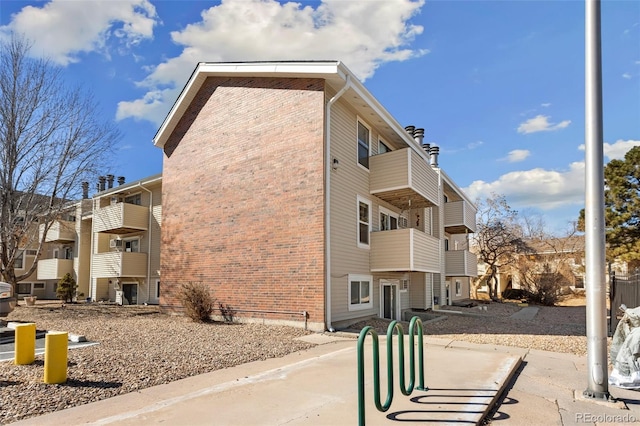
(467, 382)
(316, 386)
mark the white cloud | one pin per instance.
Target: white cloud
(474, 145)
(543, 189)
(626, 75)
(61, 30)
(616, 150)
(540, 123)
(517, 155)
(363, 34)
(545, 105)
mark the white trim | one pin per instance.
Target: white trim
(458, 288)
(368, 127)
(390, 213)
(366, 201)
(359, 278)
(396, 297)
(385, 143)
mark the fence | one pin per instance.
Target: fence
(624, 289)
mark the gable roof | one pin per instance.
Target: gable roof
(335, 74)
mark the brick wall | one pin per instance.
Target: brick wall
(243, 198)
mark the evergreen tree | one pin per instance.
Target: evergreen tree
(622, 207)
(66, 288)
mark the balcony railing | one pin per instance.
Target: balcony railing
(459, 217)
(119, 264)
(404, 179)
(460, 263)
(404, 250)
(60, 231)
(121, 218)
(54, 269)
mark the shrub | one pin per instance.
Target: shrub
(66, 288)
(515, 294)
(197, 301)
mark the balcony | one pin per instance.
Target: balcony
(115, 264)
(404, 250)
(460, 263)
(60, 231)
(54, 269)
(459, 217)
(121, 218)
(404, 179)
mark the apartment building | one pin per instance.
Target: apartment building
(109, 243)
(297, 198)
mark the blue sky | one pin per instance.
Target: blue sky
(498, 85)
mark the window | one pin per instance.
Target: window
(360, 294)
(68, 252)
(446, 244)
(19, 262)
(458, 288)
(364, 222)
(132, 246)
(363, 145)
(404, 285)
(31, 252)
(24, 288)
(38, 286)
(382, 147)
(158, 289)
(388, 220)
(134, 199)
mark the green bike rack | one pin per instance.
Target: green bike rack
(406, 390)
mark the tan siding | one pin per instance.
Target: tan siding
(404, 250)
(54, 269)
(417, 290)
(121, 215)
(349, 181)
(119, 264)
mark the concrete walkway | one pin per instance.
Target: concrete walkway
(316, 386)
(467, 382)
(527, 313)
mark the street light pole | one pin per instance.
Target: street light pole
(597, 373)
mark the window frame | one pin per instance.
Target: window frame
(19, 258)
(360, 122)
(382, 143)
(390, 214)
(458, 288)
(133, 197)
(126, 240)
(360, 279)
(358, 222)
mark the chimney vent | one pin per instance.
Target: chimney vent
(434, 155)
(120, 180)
(85, 190)
(110, 181)
(410, 130)
(101, 183)
(418, 135)
(426, 146)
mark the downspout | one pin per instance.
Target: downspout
(92, 254)
(149, 234)
(327, 203)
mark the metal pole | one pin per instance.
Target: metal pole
(597, 374)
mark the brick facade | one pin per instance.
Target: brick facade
(243, 206)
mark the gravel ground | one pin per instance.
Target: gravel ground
(139, 347)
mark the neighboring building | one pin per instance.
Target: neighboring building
(563, 255)
(109, 243)
(293, 194)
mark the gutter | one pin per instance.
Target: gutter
(327, 202)
(149, 233)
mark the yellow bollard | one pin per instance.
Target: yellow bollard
(55, 357)
(25, 346)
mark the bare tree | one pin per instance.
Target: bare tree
(498, 238)
(51, 139)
